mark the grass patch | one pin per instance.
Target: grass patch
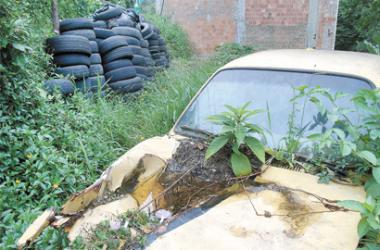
(74, 140)
(176, 39)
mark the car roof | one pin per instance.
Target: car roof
(362, 65)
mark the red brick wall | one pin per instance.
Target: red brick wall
(276, 23)
(208, 23)
(265, 24)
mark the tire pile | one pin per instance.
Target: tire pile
(115, 50)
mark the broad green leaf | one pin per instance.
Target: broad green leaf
(373, 190)
(353, 205)
(363, 227)
(216, 145)
(240, 134)
(372, 221)
(340, 133)
(347, 147)
(254, 128)
(314, 137)
(220, 119)
(232, 109)
(21, 47)
(240, 164)
(376, 174)
(368, 156)
(257, 148)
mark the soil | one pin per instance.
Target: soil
(191, 155)
(200, 180)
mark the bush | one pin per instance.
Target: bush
(357, 22)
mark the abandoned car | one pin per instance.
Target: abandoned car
(206, 205)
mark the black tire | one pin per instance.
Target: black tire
(163, 48)
(127, 86)
(95, 59)
(143, 71)
(103, 33)
(146, 29)
(63, 85)
(96, 69)
(144, 44)
(139, 60)
(156, 30)
(75, 23)
(127, 31)
(100, 24)
(117, 64)
(132, 41)
(87, 33)
(154, 36)
(98, 40)
(143, 77)
(158, 55)
(137, 50)
(161, 62)
(94, 47)
(123, 20)
(71, 59)
(150, 62)
(107, 12)
(153, 43)
(112, 43)
(77, 71)
(118, 53)
(68, 44)
(161, 41)
(121, 74)
(91, 84)
(146, 52)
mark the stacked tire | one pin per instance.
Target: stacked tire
(135, 42)
(71, 55)
(120, 73)
(117, 47)
(157, 45)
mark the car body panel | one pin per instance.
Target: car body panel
(234, 224)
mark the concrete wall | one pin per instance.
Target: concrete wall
(265, 24)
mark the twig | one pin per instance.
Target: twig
(197, 192)
(323, 201)
(168, 188)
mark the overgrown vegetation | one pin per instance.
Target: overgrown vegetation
(236, 132)
(349, 149)
(357, 23)
(124, 232)
(51, 147)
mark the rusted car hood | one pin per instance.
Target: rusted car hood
(290, 210)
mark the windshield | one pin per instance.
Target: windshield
(269, 90)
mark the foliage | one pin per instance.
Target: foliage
(176, 39)
(350, 147)
(371, 47)
(237, 131)
(124, 231)
(357, 22)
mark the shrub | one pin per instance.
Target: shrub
(357, 22)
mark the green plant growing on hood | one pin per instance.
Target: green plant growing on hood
(237, 131)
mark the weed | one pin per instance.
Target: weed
(125, 231)
(237, 131)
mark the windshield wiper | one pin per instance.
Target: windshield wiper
(196, 130)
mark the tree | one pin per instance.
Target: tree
(55, 16)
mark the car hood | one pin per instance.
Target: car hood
(290, 210)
